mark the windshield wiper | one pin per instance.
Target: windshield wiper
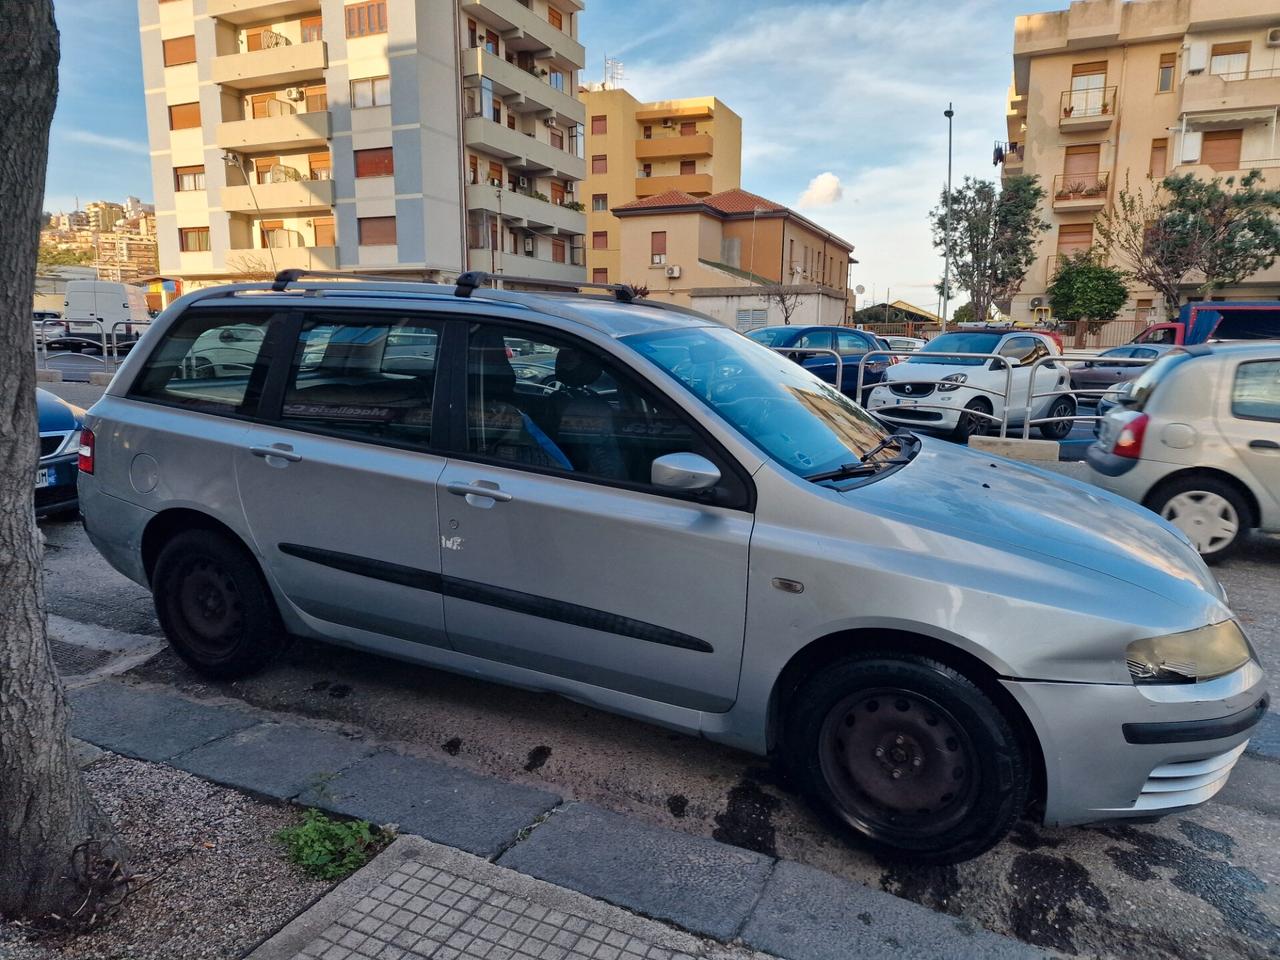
(846, 470)
(864, 466)
(900, 439)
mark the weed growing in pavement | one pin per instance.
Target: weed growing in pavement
(331, 849)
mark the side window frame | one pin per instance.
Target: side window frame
(741, 489)
(1235, 380)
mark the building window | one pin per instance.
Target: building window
(312, 29)
(648, 131)
(377, 231)
(556, 79)
(688, 168)
(1159, 159)
(365, 19)
(1230, 60)
(179, 50)
(600, 275)
(188, 178)
(557, 139)
(600, 240)
(371, 92)
(658, 247)
(646, 170)
(1220, 149)
(317, 98)
(1142, 310)
(1074, 238)
(599, 202)
(600, 163)
(1164, 79)
(599, 125)
(320, 166)
(557, 251)
(1088, 89)
(555, 17)
(377, 162)
(193, 239)
(184, 116)
(688, 128)
(325, 234)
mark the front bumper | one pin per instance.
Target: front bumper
(935, 411)
(1124, 750)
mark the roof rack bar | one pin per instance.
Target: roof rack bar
(468, 282)
(294, 274)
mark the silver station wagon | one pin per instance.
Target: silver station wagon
(639, 509)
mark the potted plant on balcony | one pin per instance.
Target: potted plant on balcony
(1062, 194)
(1077, 188)
(1092, 190)
(1068, 109)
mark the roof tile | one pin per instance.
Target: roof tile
(672, 198)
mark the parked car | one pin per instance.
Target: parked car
(1198, 441)
(55, 481)
(1109, 401)
(1210, 320)
(998, 649)
(906, 343)
(959, 396)
(851, 344)
(1102, 374)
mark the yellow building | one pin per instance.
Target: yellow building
(1109, 90)
(637, 150)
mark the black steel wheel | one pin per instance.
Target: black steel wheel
(970, 423)
(1059, 429)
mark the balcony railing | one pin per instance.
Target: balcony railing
(1081, 190)
(1090, 106)
(1010, 153)
(1271, 74)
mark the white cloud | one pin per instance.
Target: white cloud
(111, 143)
(823, 190)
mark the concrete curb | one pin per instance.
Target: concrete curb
(48, 376)
(1015, 448)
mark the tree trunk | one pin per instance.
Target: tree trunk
(45, 810)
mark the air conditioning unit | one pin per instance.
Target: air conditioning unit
(1037, 303)
(673, 271)
(523, 181)
(668, 122)
(550, 122)
(295, 93)
(568, 189)
(1273, 37)
(529, 247)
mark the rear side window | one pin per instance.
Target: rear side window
(1255, 395)
(1145, 385)
(372, 381)
(209, 360)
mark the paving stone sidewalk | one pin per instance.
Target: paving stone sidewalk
(447, 900)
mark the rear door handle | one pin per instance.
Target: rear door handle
(283, 451)
(1263, 445)
(475, 490)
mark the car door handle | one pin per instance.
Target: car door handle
(474, 490)
(1263, 445)
(284, 452)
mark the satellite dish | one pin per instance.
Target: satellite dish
(859, 289)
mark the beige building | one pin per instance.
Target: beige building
(425, 136)
(730, 254)
(637, 150)
(1109, 90)
(103, 215)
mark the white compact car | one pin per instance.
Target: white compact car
(1197, 440)
(965, 396)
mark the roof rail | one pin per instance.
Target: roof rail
(294, 274)
(468, 282)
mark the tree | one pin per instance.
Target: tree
(1233, 232)
(964, 314)
(991, 238)
(45, 810)
(1085, 288)
(787, 299)
(1154, 250)
(53, 256)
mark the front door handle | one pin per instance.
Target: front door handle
(475, 490)
(281, 450)
(1263, 445)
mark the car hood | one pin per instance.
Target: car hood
(55, 413)
(1005, 504)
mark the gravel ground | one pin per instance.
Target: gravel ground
(220, 883)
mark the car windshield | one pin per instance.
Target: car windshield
(770, 336)
(962, 342)
(802, 422)
(1151, 376)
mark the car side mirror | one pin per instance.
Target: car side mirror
(684, 472)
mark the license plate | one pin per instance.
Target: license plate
(46, 477)
(908, 403)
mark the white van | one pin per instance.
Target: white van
(107, 303)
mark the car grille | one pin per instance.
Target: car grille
(1187, 782)
(911, 389)
(908, 413)
(50, 442)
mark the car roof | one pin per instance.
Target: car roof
(1236, 349)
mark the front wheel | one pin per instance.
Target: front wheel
(972, 422)
(908, 756)
(1059, 429)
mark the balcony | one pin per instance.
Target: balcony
(1083, 110)
(1012, 154)
(696, 111)
(284, 132)
(518, 265)
(1081, 191)
(259, 11)
(1252, 90)
(523, 30)
(668, 148)
(289, 196)
(521, 210)
(1269, 167)
(523, 90)
(285, 258)
(281, 66)
(522, 151)
(697, 184)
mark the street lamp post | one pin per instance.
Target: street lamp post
(946, 248)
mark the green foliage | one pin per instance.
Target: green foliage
(57, 257)
(1232, 226)
(330, 849)
(991, 237)
(1085, 288)
(964, 314)
(577, 205)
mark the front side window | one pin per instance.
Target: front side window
(851, 343)
(369, 380)
(817, 340)
(1019, 349)
(1255, 395)
(208, 360)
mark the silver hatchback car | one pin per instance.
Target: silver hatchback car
(637, 508)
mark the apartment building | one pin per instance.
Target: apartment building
(416, 136)
(639, 150)
(1110, 91)
(103, 215)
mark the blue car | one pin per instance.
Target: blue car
(55, 481)
(852, 345)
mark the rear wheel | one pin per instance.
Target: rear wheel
(1059, 429)
(908, 756)
(214, 605)
(1211, 512)
(970, 423)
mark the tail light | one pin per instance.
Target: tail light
(86, 451)
(1129, 443)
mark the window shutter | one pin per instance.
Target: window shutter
(658, 242)
(179, 50)
(377, 231)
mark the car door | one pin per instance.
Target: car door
(1100, 374)
(852, 347)
(339, 487)
(1019, 350)
(1251, 426)
(559, 555)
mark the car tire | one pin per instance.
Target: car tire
(971, 426)
(941, 775)
(214, 605)
(1195, 503)
(1059, 429)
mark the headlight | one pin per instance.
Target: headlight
(947, 384)
(1189, 657)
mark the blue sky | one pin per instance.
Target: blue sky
(847, 93)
